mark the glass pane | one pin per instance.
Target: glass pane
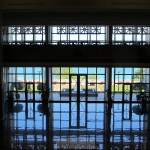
(74, 70)
(29, 70)
(20, 69)
(56, 70)
(92, 70)
(82, 70)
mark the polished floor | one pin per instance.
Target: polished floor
(73, 125)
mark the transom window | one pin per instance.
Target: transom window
(137, 35)
(76, 35)
(79, 35)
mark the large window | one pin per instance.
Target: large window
(131, 35)
(79, 35)
(76, 35)
(137, 80)
(95, 81)
(28, 35)
(18, 77)
(80, 107)
(130, 92)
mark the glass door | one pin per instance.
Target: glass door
(30, 100)
(127, 101)
(78, 100)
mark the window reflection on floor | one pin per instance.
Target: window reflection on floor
(58, 129)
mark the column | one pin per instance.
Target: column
(49, 116)
(110, 30)
(108, 106)
(47, 36)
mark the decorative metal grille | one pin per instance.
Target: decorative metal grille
(131, 35)
(79, 35)
(15, 30)
(61, 29)
(73, 29)
(76, 35)
(24, 35)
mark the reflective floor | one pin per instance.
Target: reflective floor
(73, 125)
(88, 108)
